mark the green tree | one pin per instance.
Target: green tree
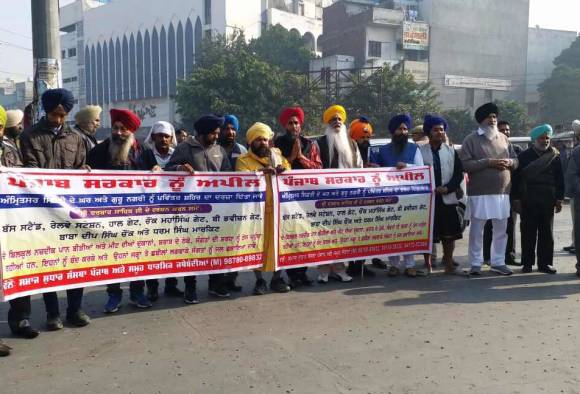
(280, 47)
(387, 92)
(570, 56)
(461, 123)
(516, 114)
(560, 96)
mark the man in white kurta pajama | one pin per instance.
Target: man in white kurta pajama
(488, 157)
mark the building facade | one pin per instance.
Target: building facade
(15, 95)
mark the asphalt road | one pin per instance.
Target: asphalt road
(440, 334)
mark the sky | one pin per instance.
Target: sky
(16, 42)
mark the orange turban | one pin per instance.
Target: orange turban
(332, 111)
(360, 128)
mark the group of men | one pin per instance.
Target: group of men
(486, 156)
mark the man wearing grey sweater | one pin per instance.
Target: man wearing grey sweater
(487, 158)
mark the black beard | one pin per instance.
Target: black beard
(12, 133)
(399, 142)
(363, 148)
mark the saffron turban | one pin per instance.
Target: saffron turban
(208, 123)
(332, 111)
(88, 114)
(52, 98)
(539, 131)
(2, 116)
(484, 111)
(231, 119)
(360, 127)
(398, 120)
(289, 112)
(258, 129)
(129, 119)
(431, 121)
(14, 117)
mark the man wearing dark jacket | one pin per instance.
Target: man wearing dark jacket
(538, 190)
(121, 152)
(202, 154)
(88, 121)
(51, 144)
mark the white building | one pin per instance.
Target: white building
(130, 53)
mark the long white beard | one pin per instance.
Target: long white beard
(489, 131)
(119, 153)
(339, 141)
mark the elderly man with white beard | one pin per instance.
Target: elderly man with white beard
(487, 158)
(337, 150)
(538, 191)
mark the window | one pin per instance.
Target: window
(68, 80)
(301, 9)
(63, 54)
(207, 11)
(374, 49)
(470, 98)
(72, 52)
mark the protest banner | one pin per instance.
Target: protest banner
(66, 229)
(342, 215)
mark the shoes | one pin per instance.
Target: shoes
(501, 270)
(54, 323)
(487, 262)
(4, 349)
(568, 248)
(342, 277)
(547, 269)
(297, 281)
(475, 271)
(526, 269)
(219, 291)
(190, 296)
(153, 294)
(113, 303)
(79, 319)
(140, 301)
(378, 263)
(323, 278)
(456, 271)
(355, 272)
(173, 291)
(25, 330)
(512, 261)
(572, 250)
(279, 286)
(260, 287)
(393, 271)
(232, 286)
(411, 272)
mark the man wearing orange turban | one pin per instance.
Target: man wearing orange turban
(361, 132)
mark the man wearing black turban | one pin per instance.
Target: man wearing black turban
(51, 144)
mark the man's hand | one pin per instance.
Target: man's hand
(268, 170)
(280, 169)
(500, 164)
(156, 168)
(441, 190)
(296, 151)
(400, 165)
(558, 206)
(186, 167)
(517, 206)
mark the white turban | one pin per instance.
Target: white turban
(13, 117)
(576, 126)
(161, 127)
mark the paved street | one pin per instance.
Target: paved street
(441, 334)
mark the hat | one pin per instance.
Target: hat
(2, 116)
(258, 129)
(13, 117)
(431, 121)
(289, 112)
(539, 131)
(398, 120)
(88, 114)
(129, 119)
(52, 98)
(332, 111)
(360, 127)
(484, 111)
(208, 123)
(231, 119)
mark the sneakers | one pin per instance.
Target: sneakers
(356, 272)
(25, 330)
(260, 288)
(4, 349)
(299, 281)
(219, 291)
(393, 271)
(342, 277)
(323, 278)
(279, 286)
(140, 301)
(54, 323)
(501, 270)
(475, 271)
(113, 303)
(411, 272)
(526, 269)
(173, 291)
(190, 296)
(79, 319)
(153, 294)
(547, 269)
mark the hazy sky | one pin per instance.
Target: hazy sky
(15, 30)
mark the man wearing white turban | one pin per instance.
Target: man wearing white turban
(88, 120)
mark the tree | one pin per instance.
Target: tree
(461, 122)
(560, 96)
(516, 114)
(280, 47)
(387, 92)
(570, 56)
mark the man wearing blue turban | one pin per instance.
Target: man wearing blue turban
(227, 139)
(399, 153)
(538, 191)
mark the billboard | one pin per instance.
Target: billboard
(416, 36)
